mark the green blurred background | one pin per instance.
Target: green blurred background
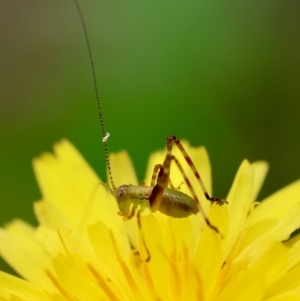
(224, 74)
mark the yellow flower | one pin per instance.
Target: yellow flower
(82, 249)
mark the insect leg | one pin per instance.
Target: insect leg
(157, 167)
(188, 183)
(138, 217)
(131, 214)
(173, 139)
(172, 186)
(162, 180)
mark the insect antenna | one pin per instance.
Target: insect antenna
(105, 135)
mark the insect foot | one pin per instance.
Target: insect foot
(218, 201)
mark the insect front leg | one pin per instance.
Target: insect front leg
(131, 214)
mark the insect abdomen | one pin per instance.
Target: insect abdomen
(177, 204)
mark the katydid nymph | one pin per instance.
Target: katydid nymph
(160, 195)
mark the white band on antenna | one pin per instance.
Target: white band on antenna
(105, 138)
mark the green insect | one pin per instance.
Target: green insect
(160, 195)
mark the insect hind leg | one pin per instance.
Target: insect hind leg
(173, 139)
(164, 175)
(195, 198)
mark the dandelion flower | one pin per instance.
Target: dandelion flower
(82, 249)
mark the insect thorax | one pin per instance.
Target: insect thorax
(131, 197)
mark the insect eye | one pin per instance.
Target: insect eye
(121, 193)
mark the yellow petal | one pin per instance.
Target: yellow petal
(161, 265)
(218, 216)
(248, 281)
(272, 265)
(279, 203)
(290, 296)
(289, 282)
(208, 261)
(243, 193)
(67, 181)
(123, 276)
(11, 285)
(122, 169)
(279, 231)
(75, 282)
(294, 255)
(19, 248)
(247, 288)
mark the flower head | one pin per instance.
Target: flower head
(82, 249)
